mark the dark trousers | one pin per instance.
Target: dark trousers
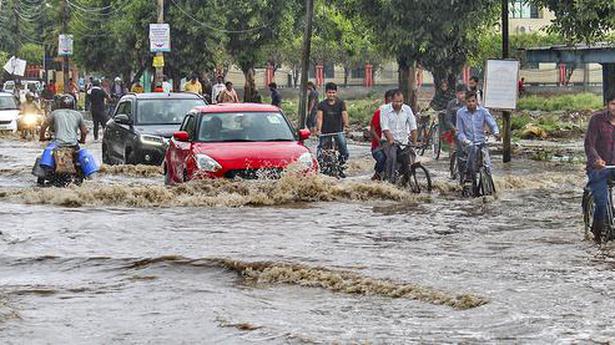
(99, 120)
(598, 183)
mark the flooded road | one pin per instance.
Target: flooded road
(124, 260)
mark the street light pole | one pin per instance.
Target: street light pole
(507, 154)
(159, 69)
(65, 66)
(305, 61)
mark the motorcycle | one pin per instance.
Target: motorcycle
(29, 124)
(63, 166)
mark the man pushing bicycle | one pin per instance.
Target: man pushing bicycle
(600, 151)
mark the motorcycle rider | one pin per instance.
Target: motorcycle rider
(66, 124)
(29, 107)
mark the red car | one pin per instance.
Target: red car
(236, 140)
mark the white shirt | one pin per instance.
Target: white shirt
(215, 91)
(399, 124)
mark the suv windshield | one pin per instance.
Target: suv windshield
(259, 126)
(7, 103)
(164, 111)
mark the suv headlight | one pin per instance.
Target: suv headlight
(152, 140)
(206, 163)
(307, 160)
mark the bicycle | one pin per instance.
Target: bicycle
(329, 157)
(589, 207)
(429, 138)
(482, 180)
(410, 173)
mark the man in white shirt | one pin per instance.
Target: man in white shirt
(398, 127)
(216, 89)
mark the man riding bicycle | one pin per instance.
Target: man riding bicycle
(398, 127)
(600, 151)
(471, 122)
(331, 120)
(375, 132)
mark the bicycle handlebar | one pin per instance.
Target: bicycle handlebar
(330, 134)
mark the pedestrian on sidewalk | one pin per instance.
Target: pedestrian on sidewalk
(276, 98)
(217, 88)
(228, 95)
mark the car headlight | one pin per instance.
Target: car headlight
(206, 163)
(152, 140)
(307, 160)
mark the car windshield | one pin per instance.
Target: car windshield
(164, 111)
(250, 126)
(7, 103)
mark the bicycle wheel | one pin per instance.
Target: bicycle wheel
(588, 211)
(487, 187)
(608, 232)
(419, 178)
(436, 143)
(453, 166)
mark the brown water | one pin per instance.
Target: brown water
(125, 260)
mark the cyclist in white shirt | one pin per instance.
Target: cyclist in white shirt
(398, 127)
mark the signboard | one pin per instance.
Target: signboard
(158, 61)
(65, 45)
(159, 38)
(501, 78)
(15, 66)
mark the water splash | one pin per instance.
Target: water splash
(339, 281)
(210, 193)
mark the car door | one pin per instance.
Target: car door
(124, 132)
(182, 149)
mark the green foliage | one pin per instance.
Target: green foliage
(581, 21)
(574, 102)
(4, 58)
(32, 53)
(489, 45)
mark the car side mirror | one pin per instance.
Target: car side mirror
(304, 134)
(122, 119)
(181, 136)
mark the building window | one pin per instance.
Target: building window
(520, 9)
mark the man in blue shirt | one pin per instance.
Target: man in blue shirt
(471, 122)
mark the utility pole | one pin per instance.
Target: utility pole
(305, 60)
(65, 66)
(507, 150)
(160, 70)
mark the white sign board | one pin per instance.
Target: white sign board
(15, 66)
(65, 45)
(501, 78)
(159, 38)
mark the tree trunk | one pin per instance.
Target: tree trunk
(346, 75)
(407, 81)
(249, 88)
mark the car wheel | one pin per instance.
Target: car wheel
(105, 155)
(130, 157)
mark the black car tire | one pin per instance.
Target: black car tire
(130, 157)
(105, 155)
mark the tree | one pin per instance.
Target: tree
(581, 21)
(256, 25)
(438, 36)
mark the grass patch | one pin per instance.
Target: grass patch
(575, 102)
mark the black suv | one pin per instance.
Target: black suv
(142, 124)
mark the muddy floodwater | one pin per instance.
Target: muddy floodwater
(124, 260)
